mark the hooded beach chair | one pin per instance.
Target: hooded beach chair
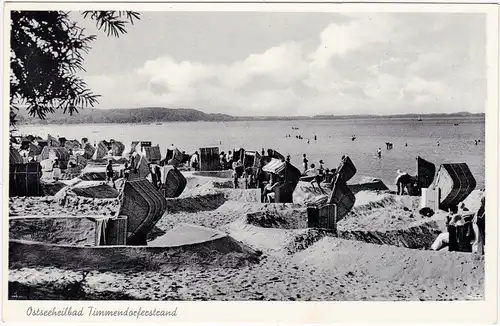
(338, 205)
(143, 205)
(454, 182)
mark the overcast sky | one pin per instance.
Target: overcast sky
(294, 63)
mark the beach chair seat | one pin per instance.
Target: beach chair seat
(461, 237)
(322, 216)
(283, 193)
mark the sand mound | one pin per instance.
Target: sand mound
(242, 195)
(304, 239)
(375, 211)
(279, 217)
(268, 240)
(55, 230)
(202, 202)
(71, 206)
(363, 183)
(184, 235)
(93, 189)
(397, 265)
(414, 237)
(228, 212)
(50, 188)
(186, 246)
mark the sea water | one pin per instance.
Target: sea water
(439, 141)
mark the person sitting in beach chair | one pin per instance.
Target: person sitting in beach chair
(313, 172)
(269, 194)
(455, 220)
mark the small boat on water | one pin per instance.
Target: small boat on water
(419, 118)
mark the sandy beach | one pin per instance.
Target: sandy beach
(381, 252)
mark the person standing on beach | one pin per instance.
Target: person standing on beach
(321, 169)
(379, 152)
(305, 163)
(194, 161)
(288, 158)
(56, 170)
(110, 173)
(126, 171)
(236, 173)
(478, 224)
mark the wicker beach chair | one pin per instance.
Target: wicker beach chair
(339, 204)
(143, 205)
(461, 237)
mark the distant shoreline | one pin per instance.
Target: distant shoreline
(151, 116)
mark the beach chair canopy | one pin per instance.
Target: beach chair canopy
(143, 205)
(172, 180)
(15, 157)
(101, 151)
(133, 147)
(52, 141)
(274, 154)
(342, 197)
(49, 152)
(275, 166)
(284, 169)
(72, 144)
(152, 153)
(34, 150)
(425, 172)
(117, 148)
(455, 182)
(209, 159)
(346, 169)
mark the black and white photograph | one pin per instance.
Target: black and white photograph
(175, 155)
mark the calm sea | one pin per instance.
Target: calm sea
(456, 142)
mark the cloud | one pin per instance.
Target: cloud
(384, 63)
